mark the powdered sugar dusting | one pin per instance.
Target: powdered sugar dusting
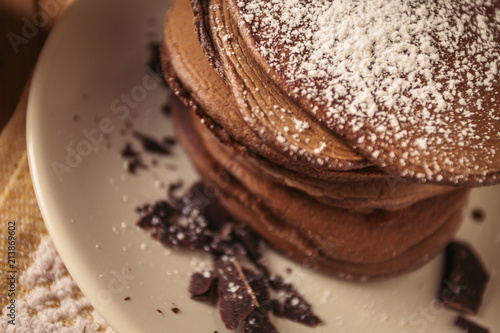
(300, 126)
(422, 74)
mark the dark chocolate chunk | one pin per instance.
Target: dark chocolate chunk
(157, 215)
(478, 215)
(236, 299)
(191, 222)
(133, 159)
(166, 110)
(259, 283)
(258, 322)
(469, 326)
(199, 197)
(128, 151)
(176, 224)
(169, 141)
(278, 283)
(152, 145)
(295, 308)
(175, 310)
(127, 298)
(464, 279)
(251, 242)
(203, 197)
(188, 236)
(203, 286)
(198, 221)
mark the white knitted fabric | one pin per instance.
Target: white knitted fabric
(49, 300)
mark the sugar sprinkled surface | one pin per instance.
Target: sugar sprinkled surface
(422, 74)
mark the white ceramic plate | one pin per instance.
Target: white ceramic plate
(91, 79)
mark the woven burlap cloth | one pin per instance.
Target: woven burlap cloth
(45, 296)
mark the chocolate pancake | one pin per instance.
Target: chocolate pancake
(195, 81)
(351, 245)
(200, 86)
(316, 181)
(367, 195)
(358, 237)
(300, 248)
(266, 110)
(414, 87)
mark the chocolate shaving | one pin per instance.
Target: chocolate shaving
(175, 310)
(192, 222)
(259, 283)
(133, 159)
(295, 308)
(198, 221)
(464, 279)
(149, 144)
(278, 283)
(156, 216)
(166, 110)
(257, 322)
(203, 288)
(202, 195)
(478, 215)
(469, 326)
(128, 151)
(250, 241)
(169, 141)
(236, 299)
(152, 145)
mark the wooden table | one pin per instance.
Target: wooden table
(24, 25)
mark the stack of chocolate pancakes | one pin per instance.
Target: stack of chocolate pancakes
(347, 135)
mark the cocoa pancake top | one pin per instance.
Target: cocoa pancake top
(413, 86)
(191, 78)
